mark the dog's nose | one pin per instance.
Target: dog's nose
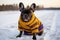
(26, 16)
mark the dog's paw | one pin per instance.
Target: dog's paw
(34, 39)
(18, 36)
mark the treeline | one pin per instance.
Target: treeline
(15, 7)
(8, 7)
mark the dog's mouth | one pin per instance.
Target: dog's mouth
(26, 20)
(26, 17)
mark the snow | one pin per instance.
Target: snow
(49, 18)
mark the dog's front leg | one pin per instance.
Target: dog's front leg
(34, 36)
(20, 34)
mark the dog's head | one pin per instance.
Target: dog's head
(26, 13)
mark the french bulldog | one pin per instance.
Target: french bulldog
(27, 23)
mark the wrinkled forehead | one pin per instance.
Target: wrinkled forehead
(26, 11)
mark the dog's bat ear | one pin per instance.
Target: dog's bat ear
(21, 6)
(33, 7)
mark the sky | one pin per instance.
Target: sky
(46, 3)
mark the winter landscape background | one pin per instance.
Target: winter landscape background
(49, 18)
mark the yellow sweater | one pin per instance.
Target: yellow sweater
(30, 26)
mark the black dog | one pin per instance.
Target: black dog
(28, 23)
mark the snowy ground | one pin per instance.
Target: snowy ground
(49, 18)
